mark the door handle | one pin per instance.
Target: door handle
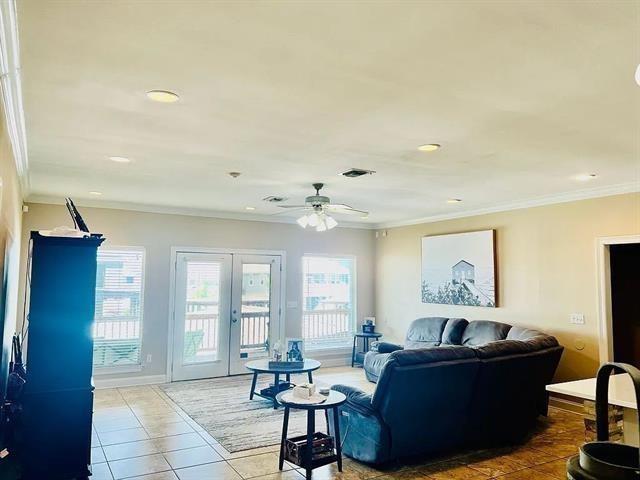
(234, 319)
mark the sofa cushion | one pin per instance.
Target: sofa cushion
(512, 347)
(480, 332)
(373, 363)
(453, 330)
(425, 332)
(431, 355)
(385, 347)
(522, 333)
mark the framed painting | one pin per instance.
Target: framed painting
(459, 269)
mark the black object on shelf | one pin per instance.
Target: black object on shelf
(293, 364)
(57, 402)
(603, 459)
(322, 449)
(78, 222)
(368, 328)
(357, 356)
(272, 390)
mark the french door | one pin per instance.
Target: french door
(226, 312)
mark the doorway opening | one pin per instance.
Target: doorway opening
(625, 309)
(619, 311)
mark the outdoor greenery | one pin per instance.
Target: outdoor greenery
(451, 294)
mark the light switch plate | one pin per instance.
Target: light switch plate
(576, 318)
(292, 304)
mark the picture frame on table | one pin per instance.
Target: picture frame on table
(295, 349)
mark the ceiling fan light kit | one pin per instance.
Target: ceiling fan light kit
(319, 207)
(320, 221)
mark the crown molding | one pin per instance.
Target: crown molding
(585, 194)
(193, 212)
(11, 87)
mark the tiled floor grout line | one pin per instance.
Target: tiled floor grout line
(178, 410)
(137, 399)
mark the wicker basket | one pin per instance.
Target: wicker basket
(296, 448)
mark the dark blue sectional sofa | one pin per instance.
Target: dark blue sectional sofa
(453, 384)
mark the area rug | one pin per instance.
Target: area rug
(222, 407)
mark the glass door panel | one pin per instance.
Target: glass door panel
(255, 307)
(201, 321)
(202, 312)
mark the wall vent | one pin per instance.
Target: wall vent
(357, 172)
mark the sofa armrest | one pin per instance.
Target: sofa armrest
(356, 399)
(385, 347)
(363, 433)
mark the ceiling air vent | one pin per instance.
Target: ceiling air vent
(275, 199)
(357, 172)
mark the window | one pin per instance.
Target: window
(117, 331)
(328, 297)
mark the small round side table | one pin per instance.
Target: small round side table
(333, 401)
(357, 358)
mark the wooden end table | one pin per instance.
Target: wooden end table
(333, 401)
(262, 366)
(357, 358)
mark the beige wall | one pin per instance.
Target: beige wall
(159, 232)
(546, 265)
(10, 228)
(546, 270)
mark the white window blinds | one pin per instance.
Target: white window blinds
(117, 331)
(328, 289)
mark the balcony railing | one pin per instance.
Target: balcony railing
(328, 326)
(202, 316)
(117, 339)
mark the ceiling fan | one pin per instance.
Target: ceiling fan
(319, 208)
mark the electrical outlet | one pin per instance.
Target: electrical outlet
(576, 318)
(149, 358)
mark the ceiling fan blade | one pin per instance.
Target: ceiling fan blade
(292, 206)
(342, 208)
(291, 210)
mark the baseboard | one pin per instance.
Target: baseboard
(133, 381)
(129, 381)
(566, 403)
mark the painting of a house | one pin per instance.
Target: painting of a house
(459, 269)
(462, 271)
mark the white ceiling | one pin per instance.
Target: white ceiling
(522, 96)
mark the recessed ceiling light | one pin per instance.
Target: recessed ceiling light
(120, 159)
(163, 96)
(585, 177)
(249, 208)
(454, 200)
(429, 147)
(97, 194)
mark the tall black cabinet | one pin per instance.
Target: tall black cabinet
(58, 396)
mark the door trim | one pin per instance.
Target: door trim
(605, 321)
(238, 251)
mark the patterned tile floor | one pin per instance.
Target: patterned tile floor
(140, 433)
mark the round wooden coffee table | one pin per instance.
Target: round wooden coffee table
(262, 366)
